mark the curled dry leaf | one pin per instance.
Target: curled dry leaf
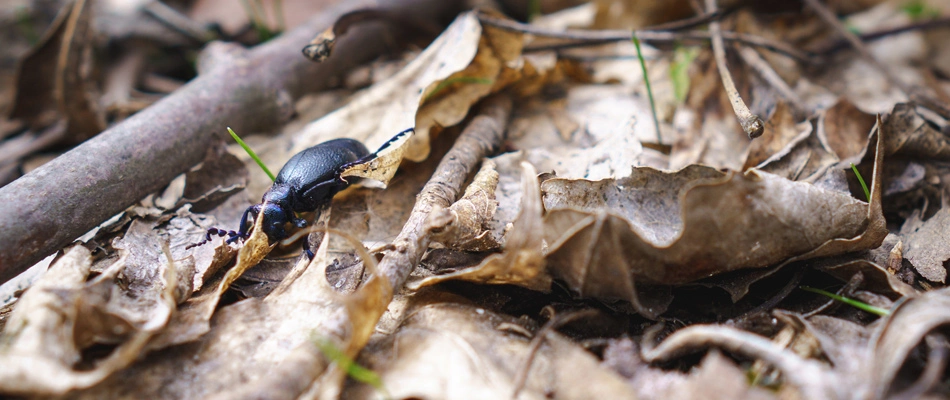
(446, 350)
(521, 262)
(925, 243)
(674, 228)
(62, 315)
(436, 89)
(468, 227)
(895, 340)
(259, 344)
(193, 319)
(914, 136)
(784, 134)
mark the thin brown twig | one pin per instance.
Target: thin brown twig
(687, 23)
(584, 38)
(839, 44)
(538, 339)
(912, 93)
(768, 74)
(751, 123)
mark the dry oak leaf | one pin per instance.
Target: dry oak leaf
(673, 228)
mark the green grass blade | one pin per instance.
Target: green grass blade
(867, 193)
(646, 79)
(851, 302)
(353, 370)
(679, 71)
(252, 154)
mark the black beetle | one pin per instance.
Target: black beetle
(308, 181)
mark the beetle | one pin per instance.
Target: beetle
(307, 182)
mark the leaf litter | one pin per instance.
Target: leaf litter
(579, 209)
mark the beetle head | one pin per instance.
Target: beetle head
(277, 211)
(275, 218)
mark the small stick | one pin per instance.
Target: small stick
(555, 322)
(606, 36)
(753, 59)
(912, 93)
(751, 123)
(839, 44)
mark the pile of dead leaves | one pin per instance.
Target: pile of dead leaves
(555, 229)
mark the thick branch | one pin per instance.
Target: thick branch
(51, 206)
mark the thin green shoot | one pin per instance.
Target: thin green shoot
(851, 302)
(867, 193)
(252, 154)
(917, 10)
(352, 369)
(534, 9)
(458, 79)
(646, 79)
(679, 71)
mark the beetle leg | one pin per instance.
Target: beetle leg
(243, 228)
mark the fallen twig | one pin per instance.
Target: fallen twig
(552, 324)
(839, 44)
(482, 136)
(768, 74)
(587, 38)
(751, 123)
(252, 91)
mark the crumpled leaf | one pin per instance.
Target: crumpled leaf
(62, 315)
(468, 225)
(784, 133)
(673, 228)
(925, 243)
(894, 341)
(218, 176)
(383, 167)
(436, 89)
(445, 350)
(521, 262)
(259, 344)
(913, 136)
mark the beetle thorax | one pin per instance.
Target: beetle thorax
(280, 195)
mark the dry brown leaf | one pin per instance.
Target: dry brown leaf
(446, 350)
(783, 134)
(912, 135)
(718, 377)
(925, 243)
(846, 130)
(895, 340)
(468, 226)
(258, 344)
(62, 315)
(521, 262)
(673, 228)
(465, 57)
